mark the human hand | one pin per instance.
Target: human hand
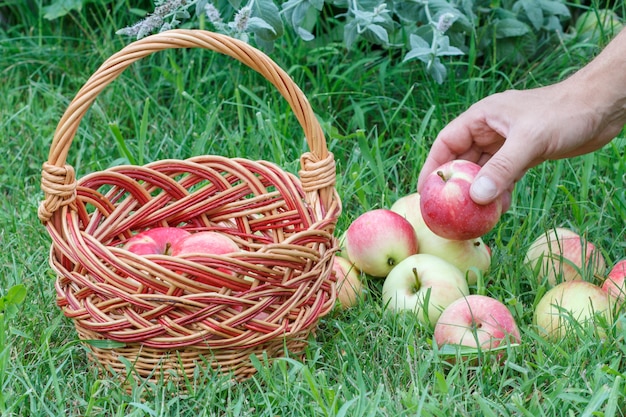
(509, 133)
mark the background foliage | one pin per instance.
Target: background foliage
(510, 31)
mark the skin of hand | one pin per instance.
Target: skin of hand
(508, 133)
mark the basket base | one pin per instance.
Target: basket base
(148, 364)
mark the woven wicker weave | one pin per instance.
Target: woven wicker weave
(171, 313)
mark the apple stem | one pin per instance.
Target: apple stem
(441, 175)
(168, 248)
(416, 287)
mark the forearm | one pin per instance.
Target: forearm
(602, 83)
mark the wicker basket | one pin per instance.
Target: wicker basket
(168, 314)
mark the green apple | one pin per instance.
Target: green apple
(572, 300)
(424, 284)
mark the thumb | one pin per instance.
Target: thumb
(500, 172)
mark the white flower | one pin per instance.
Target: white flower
(240, 24)
(212, 13)
(445, 21)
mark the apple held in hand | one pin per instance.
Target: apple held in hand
(615, 284)
(424, 284)
(447, 207)
(476, 321)
(378, 240)
(349, 286)
(579, 301)
(563, 255)
(464, 254)
(156, 241)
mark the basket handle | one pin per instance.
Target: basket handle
(318, 173)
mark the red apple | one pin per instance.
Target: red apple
(615, 284)
(563, 255)
(447, 207)
(572, 300)
(205, 242)
(476, 321)
(378, 240)
(349, 286)
(424, 284)
(156, 241)
(464, 254)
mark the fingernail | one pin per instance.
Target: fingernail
(483, 189)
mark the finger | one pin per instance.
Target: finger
(502, 170)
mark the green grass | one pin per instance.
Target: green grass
(380, 117)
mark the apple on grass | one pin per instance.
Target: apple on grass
(378, 240)
(477, 322)
(464, 254)
(567, 303)
(615, 284)
(446, 205)
(424, 284)
(563, 255)
(349, 286)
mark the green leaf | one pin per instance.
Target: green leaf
(533, 12)
(318, 4)
(418, 42)
(508, 28)
(104, 343)
(305, 34)
(60, 8)
(442, 384)
(295, 11)
(555, 8)
(453, 350)
(272, 27)
(444, 48)
(350, 33)
(235, 3)
(301, 15)
(256, 23)
(423, 54)
(16, 294)
(438, 71)
(380, 33)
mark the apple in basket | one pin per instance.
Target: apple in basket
(175, 241)
(205, 242)
(156, 241)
